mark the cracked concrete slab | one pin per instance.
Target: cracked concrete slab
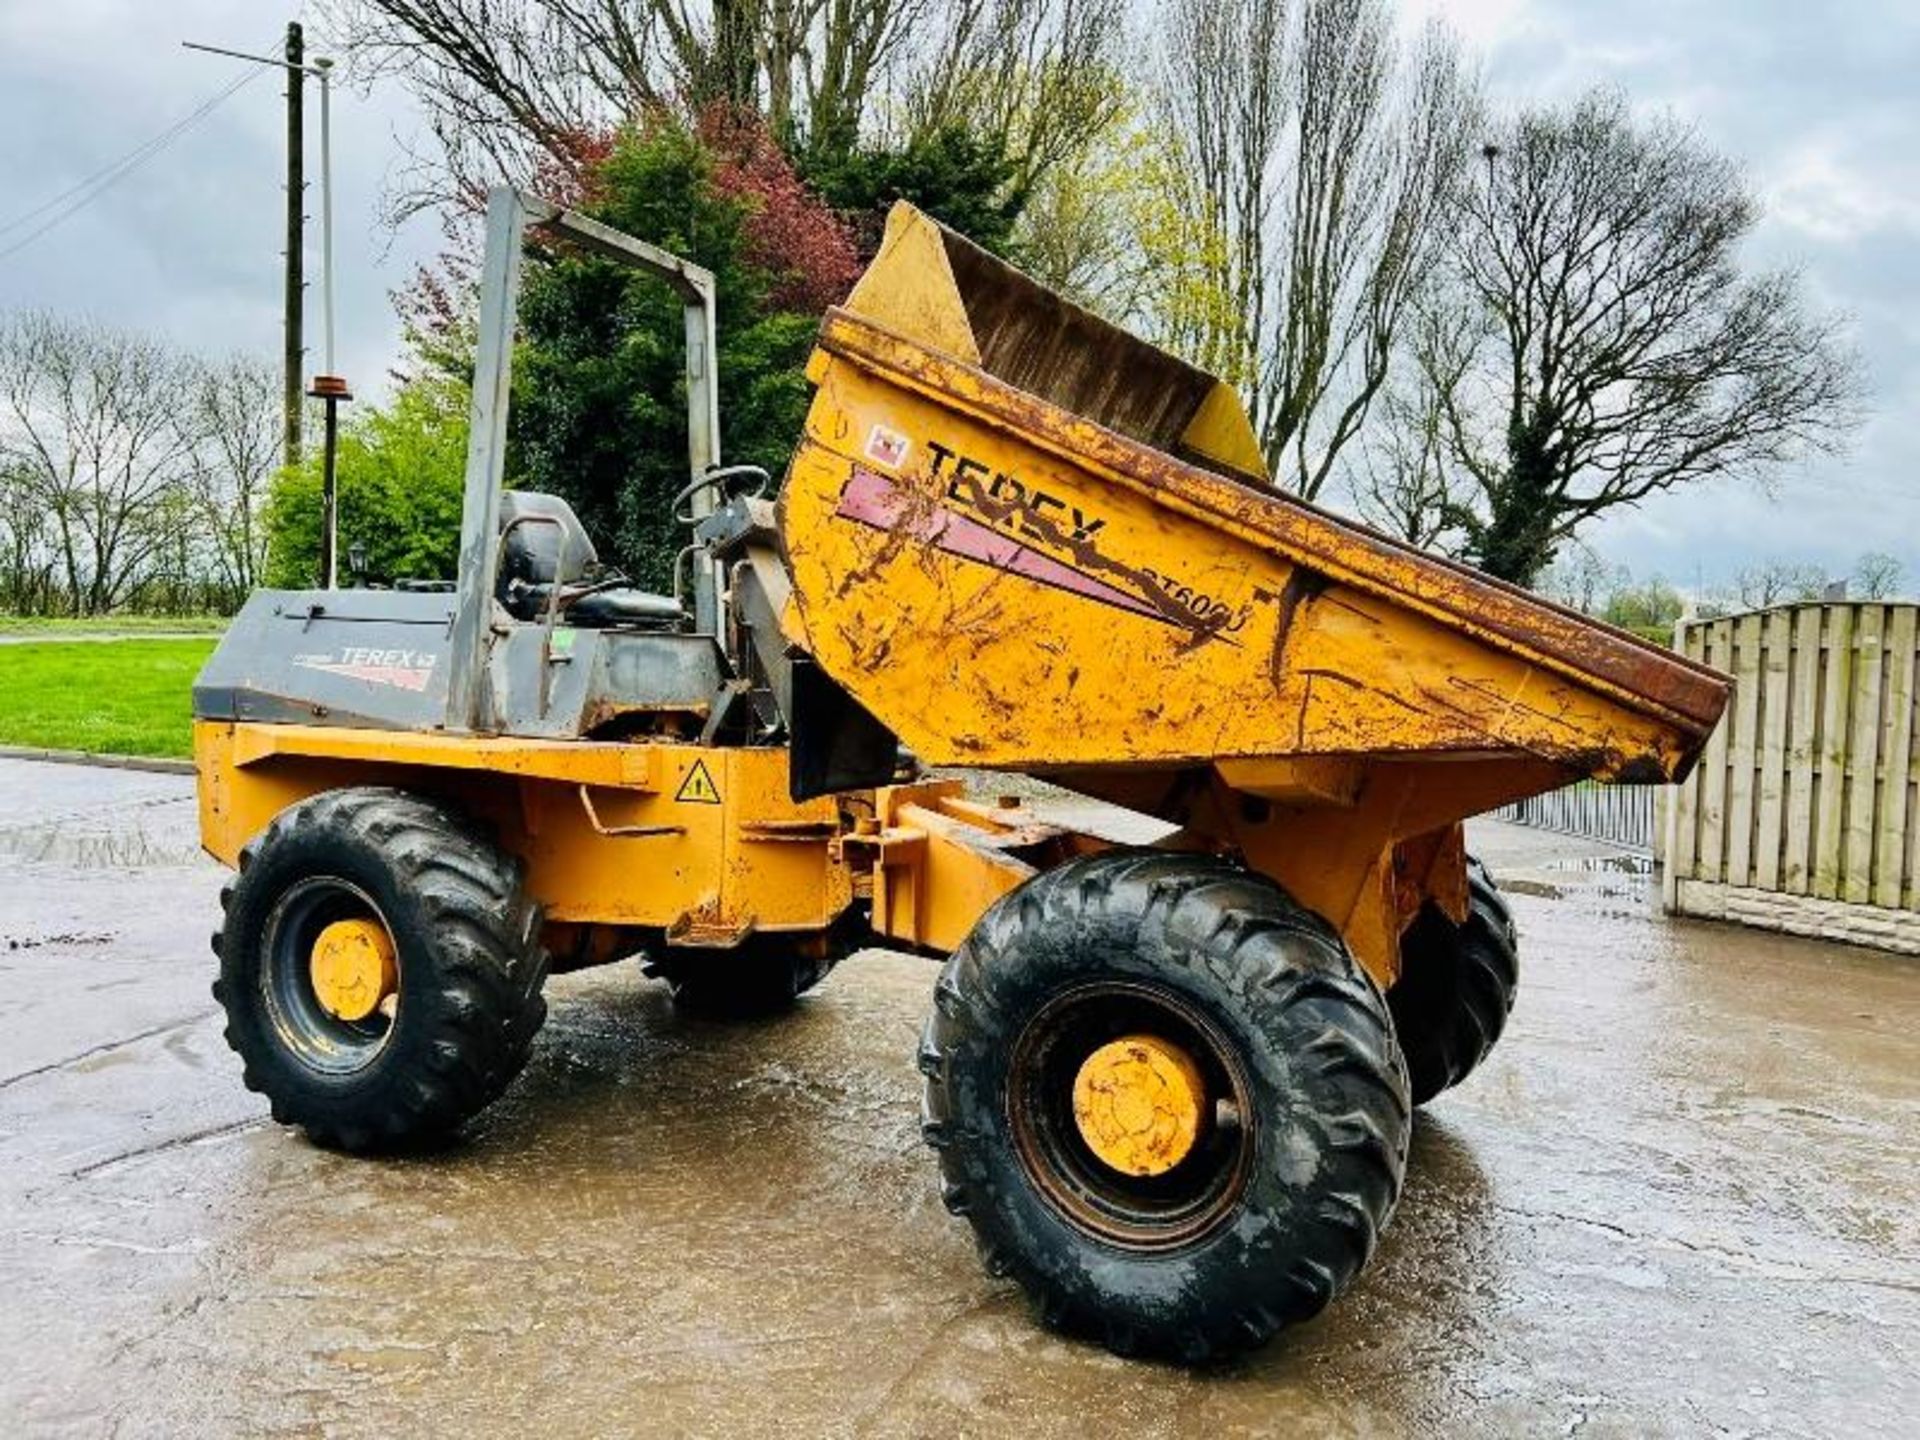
(1678, 1200)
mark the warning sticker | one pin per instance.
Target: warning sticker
(698, 788)
(887, 447)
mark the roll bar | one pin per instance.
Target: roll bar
(510, 214)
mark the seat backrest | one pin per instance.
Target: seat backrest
(538, 552)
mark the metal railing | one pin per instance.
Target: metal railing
(1617, 814)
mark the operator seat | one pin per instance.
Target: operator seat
(545, 546)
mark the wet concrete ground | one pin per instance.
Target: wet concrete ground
(1680, 1199)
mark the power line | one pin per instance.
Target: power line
(135, 156)
(97, 184)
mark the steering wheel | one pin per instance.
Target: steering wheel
(729, 480)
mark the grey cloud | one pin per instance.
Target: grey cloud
(189, 245)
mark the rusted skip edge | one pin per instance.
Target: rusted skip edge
(1643, 676)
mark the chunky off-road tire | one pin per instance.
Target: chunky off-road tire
(1456, 987)
(1275, 1210)
(467, 956)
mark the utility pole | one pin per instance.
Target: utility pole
(295, 353)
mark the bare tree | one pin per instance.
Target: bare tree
(87, 418)
(132, 474)
(1223, 95)
(91, 440)
(1777, 581)
(1406, 481)
(1605, 344)
(511, 87)
(1877, 576)
(228, 416)
(1580, 578)
(26, 557)
(1402, 483)
(521, 88)
(1041, 79)
(1312, 156)
(835, 51)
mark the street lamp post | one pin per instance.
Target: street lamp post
(327, 387)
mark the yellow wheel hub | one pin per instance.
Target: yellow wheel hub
(352, 967)
(1139, 1103)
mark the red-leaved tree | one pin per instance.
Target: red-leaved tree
(790, 232)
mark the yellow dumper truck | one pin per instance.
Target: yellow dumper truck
(1169, 1087)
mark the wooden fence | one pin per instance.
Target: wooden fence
(1804, 813)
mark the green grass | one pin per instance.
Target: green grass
(112, 624)
(125, 697)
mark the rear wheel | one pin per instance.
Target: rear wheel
(379, 968)
(1167, 1100)
(1456, 987)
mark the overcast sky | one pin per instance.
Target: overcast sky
(1818, 101)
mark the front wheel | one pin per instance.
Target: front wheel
(1168, 1101)
(379, 967)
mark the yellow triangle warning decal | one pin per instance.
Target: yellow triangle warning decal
(698, 788)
